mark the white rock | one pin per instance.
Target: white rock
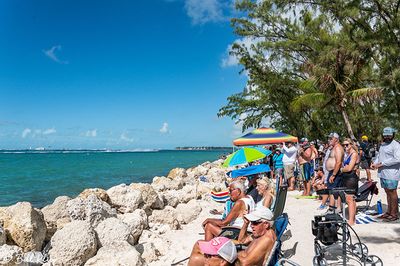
(216, 175)
(186, 213)
(151, 200)
(73, 245)
(124, 198)
(113, 230)
(161, 244)
(98, 192)
(10, 255)
(167, 216)
(179, 173)
(26, 226)
(162, 183)
(55, 212)
(148, 251)
(120, 254)
(199, 171)
(137, 222)
(91, 209)
(171, 197)
(3, 237)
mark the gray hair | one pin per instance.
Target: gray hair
(239, 185)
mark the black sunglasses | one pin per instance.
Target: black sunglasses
(346, 145)
(256, 222)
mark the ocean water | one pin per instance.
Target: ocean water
(40, 177)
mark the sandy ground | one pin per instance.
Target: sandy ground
(382, 239)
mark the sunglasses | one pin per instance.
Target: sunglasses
(256, 222)
(346, 144)
(208, 256)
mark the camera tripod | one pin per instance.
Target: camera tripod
(329, 227)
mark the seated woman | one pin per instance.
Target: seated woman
(266, 188)
(242, 205)
(318, 181)
(260, 243)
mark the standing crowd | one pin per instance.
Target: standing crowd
(308, 167)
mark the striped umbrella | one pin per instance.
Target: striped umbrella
(263, 136)
(242, 156)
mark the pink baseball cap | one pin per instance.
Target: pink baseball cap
(221, 246)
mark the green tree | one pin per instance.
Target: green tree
(303, 68)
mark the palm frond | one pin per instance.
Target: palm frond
(309, 100)
(307, 86)
(365, 94)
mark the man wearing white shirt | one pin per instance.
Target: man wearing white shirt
(289, 159)
(388, 165)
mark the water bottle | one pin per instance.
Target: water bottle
(379, 206)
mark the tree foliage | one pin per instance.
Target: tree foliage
(315, 66)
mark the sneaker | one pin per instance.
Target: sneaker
(322, 207)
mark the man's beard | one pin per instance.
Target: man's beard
(388, 140)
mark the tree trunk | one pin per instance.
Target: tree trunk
(347, 122)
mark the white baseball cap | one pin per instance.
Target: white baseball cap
(259, 213)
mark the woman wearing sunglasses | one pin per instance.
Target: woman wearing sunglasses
(350, 177)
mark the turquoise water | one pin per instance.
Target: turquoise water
(40, 177)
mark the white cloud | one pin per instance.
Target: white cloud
(26, 132)
(164, 129)
(231, 60)
(49, 131)
(125, 137)
(91, 133)
(51, 53)
(203, 11)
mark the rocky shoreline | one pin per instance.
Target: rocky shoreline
(123, 225)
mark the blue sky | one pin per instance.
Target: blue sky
(116, 74)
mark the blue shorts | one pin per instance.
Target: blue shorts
(337, 182)
(305, 172)
(389, 184)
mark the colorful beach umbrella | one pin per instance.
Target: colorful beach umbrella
(265, 151)
(242, 156)
(263, 136)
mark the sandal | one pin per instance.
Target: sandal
(391, 218)
(384, 216)
(215, 212)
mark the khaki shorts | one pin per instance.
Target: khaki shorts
(288, 171)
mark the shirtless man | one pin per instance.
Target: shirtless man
(333, 165)
(260, 243)
(306, 154)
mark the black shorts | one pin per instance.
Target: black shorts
(365, 164)
(350, 181)
(337, 182)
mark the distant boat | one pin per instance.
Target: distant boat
(40, 149)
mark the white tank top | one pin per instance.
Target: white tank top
(250, 206)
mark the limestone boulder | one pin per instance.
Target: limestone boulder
(113, 230)
(73, 245)
(124, 198)
(54, 213)
(25, 226)
(162, 183)
(167, 216)
(98, 192)
(187, 213)
(177, 173)
(3, 237)
(160, 243)
(216, 175)
(148, 251)
(137, 221)
(199, 171)
(170, 197)
(91, 209)
(151, 200)
(10, 255)
(120, 253)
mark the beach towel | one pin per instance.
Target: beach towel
(306, 197)
(362, 218)
(221, 196)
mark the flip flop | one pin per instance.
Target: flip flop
(215, 212)
(391, 218)
(384, 216)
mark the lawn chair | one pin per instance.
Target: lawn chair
(280, 225)
(365, 193)
(280, 202)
